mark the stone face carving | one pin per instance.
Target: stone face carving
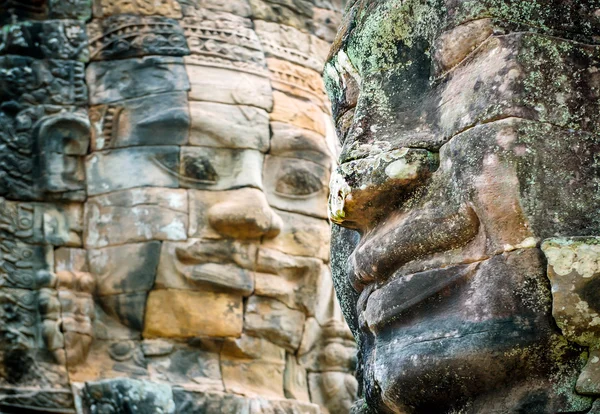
(467, 166)
(164, 241)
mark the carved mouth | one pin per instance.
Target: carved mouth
(378, 265)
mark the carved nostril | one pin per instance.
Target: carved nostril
(249, 216)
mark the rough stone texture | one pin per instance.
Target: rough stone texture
(468, 134)
(163, 234)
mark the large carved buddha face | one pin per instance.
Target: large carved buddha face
(467, 140)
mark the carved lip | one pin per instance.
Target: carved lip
(381, 305)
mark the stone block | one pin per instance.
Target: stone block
(26, 266)
(124, 393)
(301, 236)
(212, 84)
(295, 281)
(239, 214)
(126, 36)
(194, 366)
(51, 39)
(270, 319)
(109, 359)
(184, 313)
(297, 81)
(335, 392)
(136, 215)
(16, 10)
(192, 402)
(33, 82)
(261, 405)
(120, 169)
(296, 185)
(222, 40)
(197, 266)
(220, 168)
(166, 8)
(134, 78)
(253, 367)
(236, 7)
(229, 126)
(127, 309)
(124, 269)
(296, 14)
(70, 259)
(297, 112)
(151, 120)
(295, 380)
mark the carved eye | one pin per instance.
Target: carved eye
(298, 182)
(200, 169)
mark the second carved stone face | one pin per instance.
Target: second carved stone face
(456, 163)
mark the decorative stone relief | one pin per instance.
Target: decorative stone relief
(163, 232)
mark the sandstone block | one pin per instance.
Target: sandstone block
(124, 269)
(136, 215)
(183, 313)
(296, 185)
(136, 77)
(167, 8)
(297, 81)
(229, 126)
(301, 236)
(125, 36)
(290, 141)
(195, 265)
(295, 380)
(191, 402)
(151, 120)
(220, 168)
(239, 214)
(297, 112)
(120, 169)
(334, 391)
(229, 87)
(253, 367)
(270, 319)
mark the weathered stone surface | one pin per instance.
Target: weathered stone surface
(588, 382)
(296, 185)
(253, 367)
(167, 8)
(287, 43)
(124, 269)
(297, 81)
(222, 40)
(574, 273)
(302, 236)
(270, 319)
(220, 168)
(15, 10)
(189, 402)
(25, 266)
(197, 266)
(121, 394)
(296, 14)
(236, 7)
(136, 215)
(295, 380)
(52, 39)
(183, 313)
(335, 391)
(297, 112)
(290, 141)
(134, 78)
(44, 148)
(229, 126)
(218, 214)
(42, 82)
(125, 36)
(118, 169)
(214, 84)
(294, 281)
(152, 120)
(194, 366)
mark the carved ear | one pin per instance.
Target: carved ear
(60, 143)
(574, 272)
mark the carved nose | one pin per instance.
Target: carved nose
(246, 215)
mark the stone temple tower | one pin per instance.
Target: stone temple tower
(164, 242)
